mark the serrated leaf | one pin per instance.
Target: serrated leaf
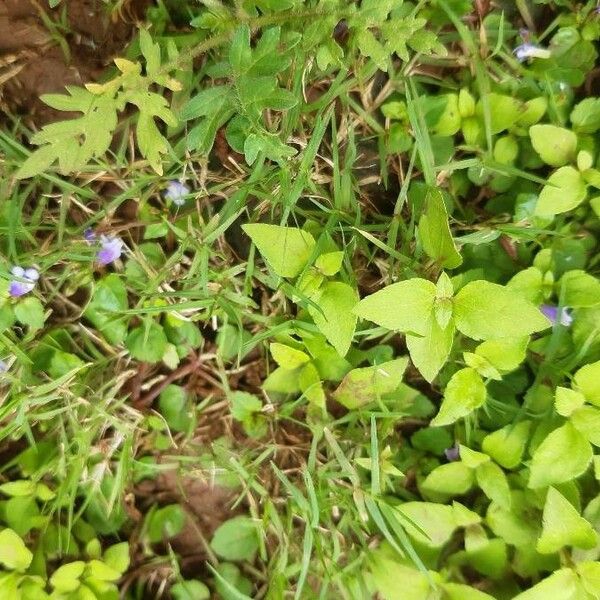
(563, 526)
(286, 249)
(561, 585)
(240, 53)
(361, 386)
(206, 101)
(580, 289)
(287, 357)
(566, 189)
(75, 142)
(587, 421)
(370, 46)
(507, 445)
(555, 145)
(150, 51)
(334, 316)
(430, 351)
(484, 310)
(451, 479)
(464, 393)
(14, 555)
(587, 381)
(492, 481)
(404, 306)
(564, 455)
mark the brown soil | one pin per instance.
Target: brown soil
(42, 50)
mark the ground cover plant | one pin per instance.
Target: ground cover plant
(299, 299)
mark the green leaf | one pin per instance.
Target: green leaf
(282, 381)
(232, 578)
(587, 382)
(108, 299)
(165, 523)
(504, 111)
(75, 142)
(492, 481)
(513, 523)
(286, 249)
(464, 393)
(435, 234)
(589, 572)
(190, 590)
(484, 310)
(236, 539)
(330, 263)
(566, 189)
(529, 283)
(287, 357)
(240, 53)
(66, 578)
(404, 306)
(205, 101)
(450, 120)
(427, 522)
(555, 145)
(361, 386)
(587, 421)
(586, 116)
(147, 342)
(334, 316)
(563, 526)
(452, 479)
(14, 555)
(173, 406)
(370, 46)
(561, 585)
(24, 487)
(430, 351)
(30, 312)
(459, 591)
(504, 354)
(117, 557)
(580, 289)
(565, 454)
(507, 445)
(97, 569)
(310, 385)
(566, 401)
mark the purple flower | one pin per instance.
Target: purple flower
(89, 235)
(557, 315)
(527, 50)
(453, 453)
(24, 281)
(110, 250)
(176, 192)
(3, 367)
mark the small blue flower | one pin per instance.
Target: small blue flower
(527, 50)
(89, 235)
(453, 453)
(110, 250)
(3, 367)
(557, 315)
(24, 282)
(176, 192)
